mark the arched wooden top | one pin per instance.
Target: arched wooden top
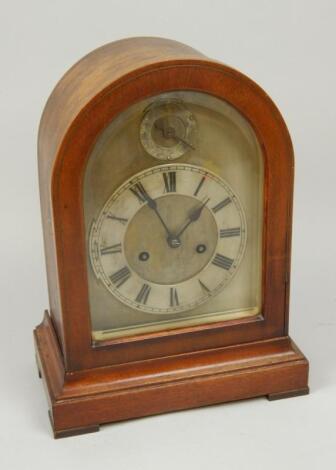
(93, 92)
(97, 71)
(102, 68)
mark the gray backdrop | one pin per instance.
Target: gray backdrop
(288, 47)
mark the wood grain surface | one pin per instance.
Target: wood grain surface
(88, 97)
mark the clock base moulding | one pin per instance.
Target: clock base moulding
(79, 402)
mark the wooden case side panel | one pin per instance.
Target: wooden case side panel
(50, 253)
(84, 81)
(49, 359)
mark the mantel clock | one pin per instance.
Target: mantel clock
(166, 185)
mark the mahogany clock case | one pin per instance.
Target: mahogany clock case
(89, 383)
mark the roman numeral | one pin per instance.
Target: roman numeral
(121, 276)
(174, 301)
(170, 181)
(204, 287)
(107, 250)
(200, 184)
(221, 204)
(122, 220)
(139, 191)
(142, 297)
(229, 232)
(222, 261)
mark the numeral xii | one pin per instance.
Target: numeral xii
(169, 181)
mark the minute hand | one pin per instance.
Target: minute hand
(153, 205)
(193, 216)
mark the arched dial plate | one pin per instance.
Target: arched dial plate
(168, 239)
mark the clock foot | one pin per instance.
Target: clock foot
(59, 433)
(80, 401)
(288, 394)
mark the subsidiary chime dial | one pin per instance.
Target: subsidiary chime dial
(168, 239)
(167, 130)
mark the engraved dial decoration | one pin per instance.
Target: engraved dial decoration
(168, 239)
(167, 130)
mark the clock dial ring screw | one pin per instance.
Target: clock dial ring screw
(201, 248)
(144, 256)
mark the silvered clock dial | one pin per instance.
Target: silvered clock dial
(168, 239)
(173, 217)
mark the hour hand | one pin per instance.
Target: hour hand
(193, 216)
